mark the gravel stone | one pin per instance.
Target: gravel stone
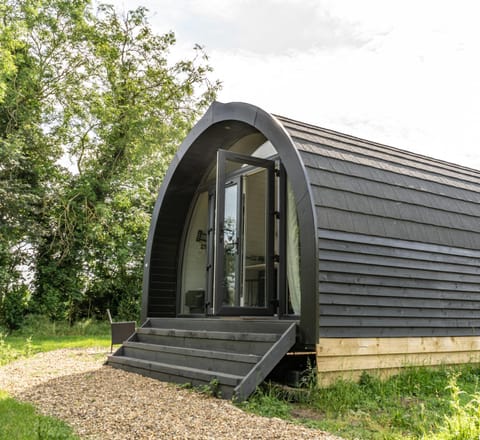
(101, 402)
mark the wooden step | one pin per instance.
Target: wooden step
(246, 343)
(227, 362)
(178, 374)
(224, 325)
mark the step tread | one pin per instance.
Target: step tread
(195, 352)
(207, 334)
(252, 325)
(187, 372)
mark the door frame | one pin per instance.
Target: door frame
(219, 251)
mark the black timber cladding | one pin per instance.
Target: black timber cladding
(398, 238)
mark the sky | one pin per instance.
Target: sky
(400, 72)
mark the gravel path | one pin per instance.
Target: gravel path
(105, 403)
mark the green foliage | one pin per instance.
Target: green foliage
(38, 326)
(21, 421)
(13, 307)
(211, 389)
(96, 90)
(418, 403)
(463, 422)
(268, 402)
(8, 353)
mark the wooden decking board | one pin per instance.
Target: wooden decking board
(205, 334)
(226, 325)
(187, 372)
(237, 357)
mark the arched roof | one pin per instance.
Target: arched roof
(220, 127)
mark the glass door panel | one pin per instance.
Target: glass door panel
(244, 236)
(231, 245)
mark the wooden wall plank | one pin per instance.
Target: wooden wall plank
(375, 346)
(393, 243)
(333, 266)
(421, 292)
(394, 332)
(391, 281)
(398, 301)
(343, 358)
(407, 261)
(389, 250)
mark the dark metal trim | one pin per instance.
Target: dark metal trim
(224, 115)
(282, 245)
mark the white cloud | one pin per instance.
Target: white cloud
(403, 73)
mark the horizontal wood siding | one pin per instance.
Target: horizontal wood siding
(164, 259)
(348, 358)
(398, 238)
(383, 287)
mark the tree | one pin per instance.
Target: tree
(105, 94)
(29, 145)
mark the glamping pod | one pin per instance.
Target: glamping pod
(272, 237)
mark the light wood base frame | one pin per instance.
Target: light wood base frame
(348, 358)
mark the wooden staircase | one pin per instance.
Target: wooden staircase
(234, 354)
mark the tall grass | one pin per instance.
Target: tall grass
(463, 421)
(9, 353)
(38, 326)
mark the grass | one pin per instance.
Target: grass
(40, 335)
(418, 403)
(20, 421)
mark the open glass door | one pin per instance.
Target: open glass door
(244, 235)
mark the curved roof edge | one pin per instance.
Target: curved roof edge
(274, 131)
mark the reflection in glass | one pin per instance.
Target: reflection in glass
(230, 243)
(254, 240)
(195, 259)
(293, 252)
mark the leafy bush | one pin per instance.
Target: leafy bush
(13, 307)
(129, 308)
